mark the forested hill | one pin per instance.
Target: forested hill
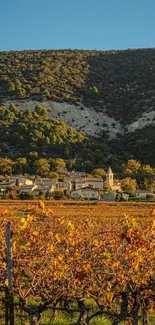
(108, 94)
(33, 135)
(121, 83)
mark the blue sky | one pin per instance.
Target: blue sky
(80, 24)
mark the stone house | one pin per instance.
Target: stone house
(76, 174)
(109, 197)
(46, 190)
(22, 181)
(4, 185)
(96, 183)
(46, 182)
(87, 193)
(63, 185)
(142, 194)
(73, 178)
(27, 189)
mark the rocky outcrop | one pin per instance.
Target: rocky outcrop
(86, 119)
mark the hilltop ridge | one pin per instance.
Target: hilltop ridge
(106, 94)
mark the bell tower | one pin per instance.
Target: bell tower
(109, 177)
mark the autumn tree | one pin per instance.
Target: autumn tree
(128, 185)
(99, 172)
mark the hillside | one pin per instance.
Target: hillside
(33, 135)
(119, 82)
(109, 94)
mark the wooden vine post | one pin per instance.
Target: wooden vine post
(9, 274)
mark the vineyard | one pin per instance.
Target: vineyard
(78, 264)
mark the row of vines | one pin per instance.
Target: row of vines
(86, 268)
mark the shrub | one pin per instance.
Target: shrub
(27, 196)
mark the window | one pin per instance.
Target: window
(79, 186)
(76, 194)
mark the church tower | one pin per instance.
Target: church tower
(109, 177)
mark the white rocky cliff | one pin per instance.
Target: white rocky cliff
(86, 119)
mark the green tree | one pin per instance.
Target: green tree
(53, 175)
(33, 156)
(58, 194)
(27, 196)
(106, 188)
(11, 86)
(20, 165)
(14, 109)
(28, 114)
(42, 167)
(12, 192)
(51, 162)
(88, 165)
(147, 177)
(41, 111)
(95, 90)
(131, 169)
(6, 166)
(70, 164)
(59, 163)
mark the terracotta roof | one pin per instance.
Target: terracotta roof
(41, 188)
(7, 183)
(93, 179)
(84, 188)
(89, 180)
(27, 186)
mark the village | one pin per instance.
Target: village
(72, 185)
